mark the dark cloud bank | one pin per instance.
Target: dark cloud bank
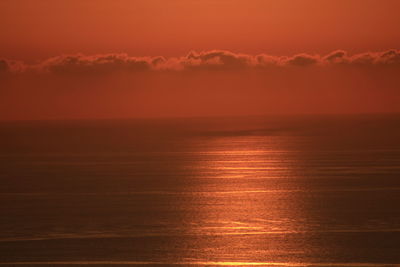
(208, 60)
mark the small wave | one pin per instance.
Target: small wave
(202, 263)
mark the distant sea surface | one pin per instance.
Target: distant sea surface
(280, 191)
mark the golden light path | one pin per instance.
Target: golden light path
(239, 201)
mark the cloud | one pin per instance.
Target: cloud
(12, 66)
(336, 57)
(217, 59)
(207, 60)
(3, 66)
(385, 58)
(391, 57)
(96, 64)
(303, 60)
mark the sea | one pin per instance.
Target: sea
(301, 190)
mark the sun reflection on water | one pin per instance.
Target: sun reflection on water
(243, 203)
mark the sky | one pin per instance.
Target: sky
(181, 58)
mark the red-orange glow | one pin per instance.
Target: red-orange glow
(349, 62)
(40, 29)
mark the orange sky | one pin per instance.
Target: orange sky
(43, 28)
(37, 80)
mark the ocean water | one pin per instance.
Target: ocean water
(280, 191)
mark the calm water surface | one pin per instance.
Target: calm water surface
(282, 191)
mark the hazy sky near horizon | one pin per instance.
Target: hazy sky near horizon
(132, 58)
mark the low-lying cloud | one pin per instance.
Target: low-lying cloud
(208, 60)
